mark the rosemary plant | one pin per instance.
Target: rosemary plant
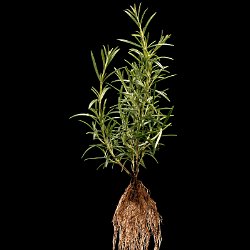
(132, 128)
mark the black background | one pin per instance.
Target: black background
(62, 201)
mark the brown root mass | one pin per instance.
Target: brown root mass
(136, 218)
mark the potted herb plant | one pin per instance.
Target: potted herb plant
(129, 131)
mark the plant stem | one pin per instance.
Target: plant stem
(137, 159)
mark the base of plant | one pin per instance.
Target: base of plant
(136, 219)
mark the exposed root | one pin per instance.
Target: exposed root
(136, 218)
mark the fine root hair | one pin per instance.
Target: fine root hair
(136, 219)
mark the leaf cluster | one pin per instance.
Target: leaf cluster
(132, 128)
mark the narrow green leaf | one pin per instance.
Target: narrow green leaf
(89, 148)
(131, 15)
(93, 89)
(158, 138)
(91, 103)
(162, 94)
(166, 57)
(149, 20)
(103, 93)
(143, 14)
(136, 58)
(94, 158)
(169, 135)
(165, 44)
(130, 42)
(86, 123)
(82, 114)
(152, 156)
(95, 66)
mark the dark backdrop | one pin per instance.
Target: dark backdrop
(67, 203)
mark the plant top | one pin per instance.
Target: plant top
(132, 128)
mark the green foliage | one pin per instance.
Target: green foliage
(132, 128)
